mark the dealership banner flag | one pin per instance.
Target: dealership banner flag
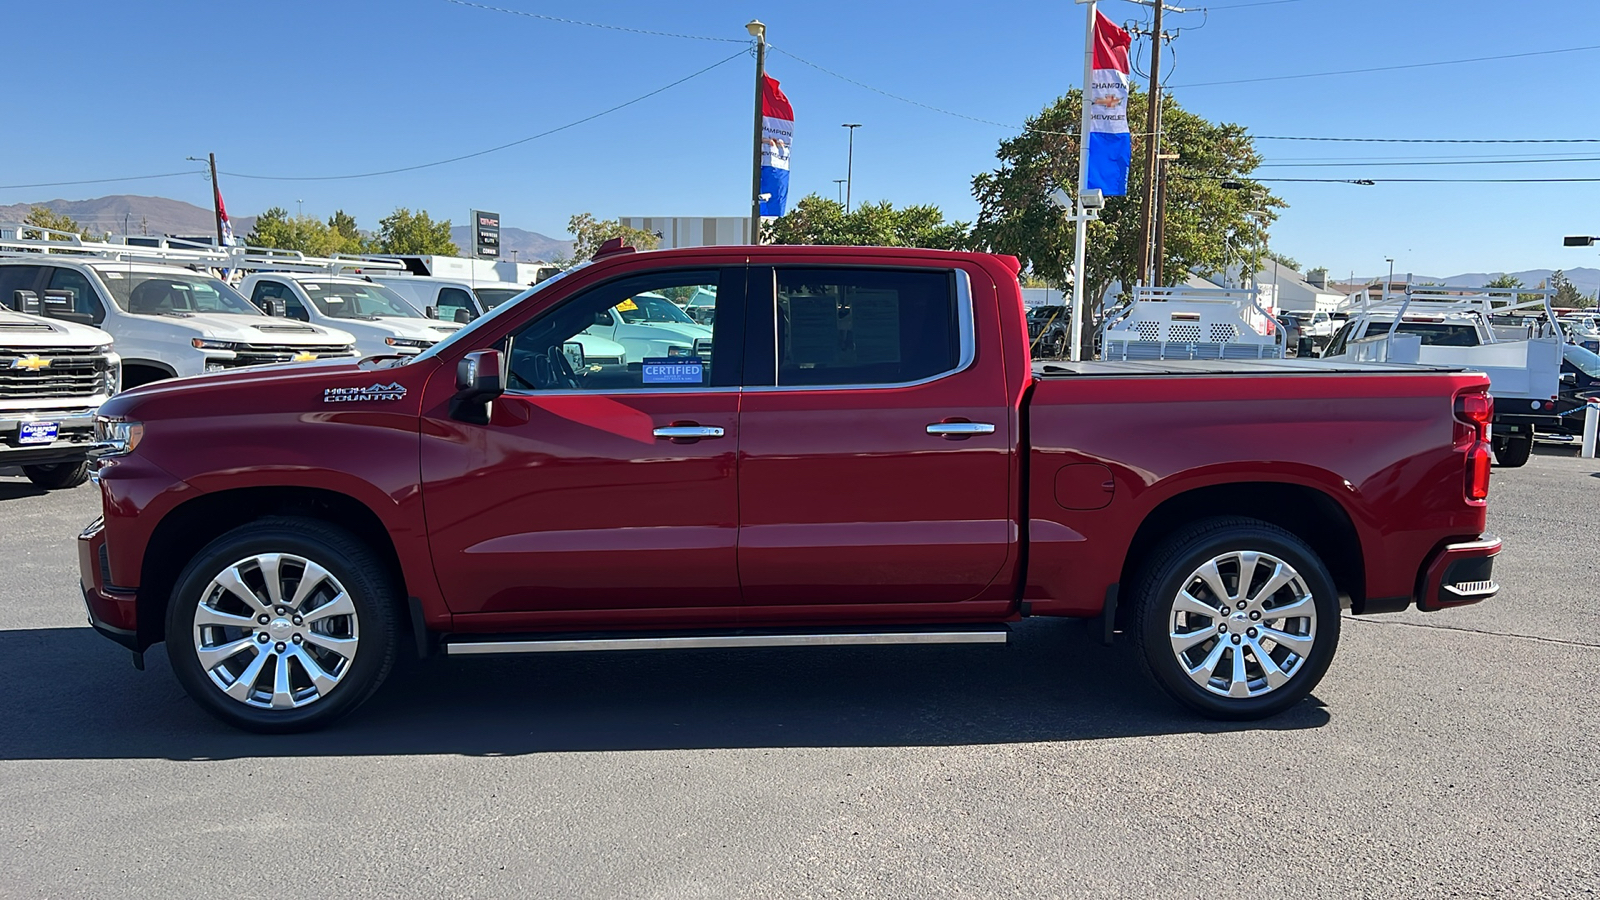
(1106, 103)
(777, 132)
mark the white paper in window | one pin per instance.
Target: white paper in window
(875, 319)
(813, 330)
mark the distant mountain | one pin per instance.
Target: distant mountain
(1584, 279)
(530, 245)
(129, 213)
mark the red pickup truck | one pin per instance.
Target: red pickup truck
(861, 452)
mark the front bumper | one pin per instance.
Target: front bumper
(113, 611)
(1459, 574)
(74, 439)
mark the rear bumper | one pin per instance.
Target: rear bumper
(113, 611)
(1459, 574)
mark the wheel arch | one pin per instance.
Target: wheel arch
(161, 369)
(1304, 511)
(188, 528)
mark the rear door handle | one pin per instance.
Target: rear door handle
(960, 429)
(694, 432)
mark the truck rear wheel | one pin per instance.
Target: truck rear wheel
(1235, 618)
(1513, 451)
(58, 475)
(282, 625)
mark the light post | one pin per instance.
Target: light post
(850, 163)
(759, 32)
(300, 209)
(839, 182)
(1386, 284)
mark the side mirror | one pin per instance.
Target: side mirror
(430, 312)
(603, 317)
(479, 379)
(463, 316)
(275, 307)
(27, 302)
(1569, 378)
(574, 353)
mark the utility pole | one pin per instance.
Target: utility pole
(1159, 267)
(1152, 140)
(850, 163)
(759, 32)
(1080, 215)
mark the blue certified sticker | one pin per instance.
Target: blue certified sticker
(674, 370)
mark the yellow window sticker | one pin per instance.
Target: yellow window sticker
(627, 305)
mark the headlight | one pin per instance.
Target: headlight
(408, 342)
(122, 436)
(111, 378)
(203, 344)
(102, 350)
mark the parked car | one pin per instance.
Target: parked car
(382, 322)
(1295, 342)
(169, 315)
(1050, 330)
(864, 455)
(449, 299)
(1317, 329)
(648, 325)
(53, 376)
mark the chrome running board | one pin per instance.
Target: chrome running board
(456, 645)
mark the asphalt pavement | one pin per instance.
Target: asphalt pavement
(1444, 755)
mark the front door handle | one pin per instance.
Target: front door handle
(688, 432)
(960, 429)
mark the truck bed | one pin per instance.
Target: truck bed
(1211, 367)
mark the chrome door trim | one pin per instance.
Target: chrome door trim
(690, 642)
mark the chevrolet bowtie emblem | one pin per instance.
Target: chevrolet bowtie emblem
(1108, 102)
(32, 362)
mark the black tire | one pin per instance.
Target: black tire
(1514, 451)
(1168, 569)
(355, 567)
(58, 476)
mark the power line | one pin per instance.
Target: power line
(1246, 5)
(1372, 181)
(531, 15)
(1443, 62)
(12, 187)
(1422, 162)
(534, 137)
(1370, 140)
(885, 93)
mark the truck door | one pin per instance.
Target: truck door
(875, 454)
(592, 486)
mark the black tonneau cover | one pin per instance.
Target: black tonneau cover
(1193, 367)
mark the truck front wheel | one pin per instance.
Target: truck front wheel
(1235, 618)
(282, 625)
(59, 475)
(1513, 451)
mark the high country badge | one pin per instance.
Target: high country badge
(353, 394)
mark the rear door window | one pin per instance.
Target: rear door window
(865, 326)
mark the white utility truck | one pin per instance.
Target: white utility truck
(167, 308)
(336, 292)
(53, 376)
(1191, 323)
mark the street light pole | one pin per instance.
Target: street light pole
(759, 32)
(850, 163)
(1391, 278)
(1080, 223)
(839, 182)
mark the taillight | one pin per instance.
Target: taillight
(1474, 412)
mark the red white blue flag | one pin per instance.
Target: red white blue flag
(1106, 102)
(777, 133)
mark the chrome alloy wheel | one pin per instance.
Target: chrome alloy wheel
(275, 631)
(1243, 624)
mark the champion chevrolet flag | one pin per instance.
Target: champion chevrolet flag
(777, 132)
(1110, 144)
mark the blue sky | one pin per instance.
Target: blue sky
(300, 88)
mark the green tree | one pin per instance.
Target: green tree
(588, 233)
(404, 231)
(277, 229)
(351, 240)
(45, 217)
(1283, 259)
(818, 220)
(1567, 294)
(1505, 281)
(1208, 226)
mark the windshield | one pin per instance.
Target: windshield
(1582, 359)
(492, 297)
(1439, 334)
(343, 300)
(469, 333)
(651, 308)
(155, 294)
(1045, 312)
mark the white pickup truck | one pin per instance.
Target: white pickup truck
(168, 313)
(383, 323)
(53, 376)
(1456, 328)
